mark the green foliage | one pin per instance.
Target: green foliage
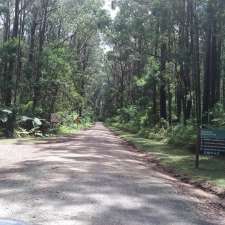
(131, 120)
(26, 109)
(181, 135)
(8, 49)
(154, 134)
(127, 114)
(7, 122)
(50, 66)
(152, 70)
(36, 122)
(55, 62)
(32, 126)
(69, 123)
(217, 116)
(180, 159)
(4, 115)
(68, 119)
(3, 7)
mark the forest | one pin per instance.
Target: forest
(154, 67)
(49, 56)
(165, 69)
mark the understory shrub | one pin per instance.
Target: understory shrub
(72, 121)
(178, 135)
(134, 120)
(153, 133)
(130, 119)
(181, 135)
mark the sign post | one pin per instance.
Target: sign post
(211, 142)
(77, 121)
(198, 147)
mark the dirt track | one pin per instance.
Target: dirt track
(87, 179)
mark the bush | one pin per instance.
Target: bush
(7, 122)
(217, 116)
(133, 120)
(130, 119)
(182, 135)
(127, 114)
(69, 124)
(29, 126)
(179, 135)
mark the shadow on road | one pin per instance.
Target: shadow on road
(89, 179)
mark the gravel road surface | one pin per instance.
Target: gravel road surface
(87, 179)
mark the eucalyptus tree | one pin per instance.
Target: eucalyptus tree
(48, 53)
(186, 39)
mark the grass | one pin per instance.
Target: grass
(67, 130)
(211, 170)
(64, 130)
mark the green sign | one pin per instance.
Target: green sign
(212, 142)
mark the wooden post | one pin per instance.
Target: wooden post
(77, 121)
(198, 148)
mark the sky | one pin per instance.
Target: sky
(108, 7)
(113, 13)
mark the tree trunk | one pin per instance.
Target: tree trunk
(11, 68)
(42, 31)
(163, 103)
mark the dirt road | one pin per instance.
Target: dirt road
(87, 179)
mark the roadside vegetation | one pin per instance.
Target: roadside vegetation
(165, 79)
(34, 127)
(72, 124)
(179, 158)
(50, 53)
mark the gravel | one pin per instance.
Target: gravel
(87, 179)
